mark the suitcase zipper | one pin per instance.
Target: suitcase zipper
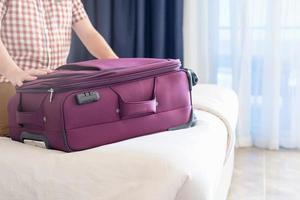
(51, 91)
(121, 79)
(98, 83)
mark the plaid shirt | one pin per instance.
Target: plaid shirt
(37, 33)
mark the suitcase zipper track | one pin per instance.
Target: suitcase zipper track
(88, 84)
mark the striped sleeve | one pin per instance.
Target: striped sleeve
(78, 11)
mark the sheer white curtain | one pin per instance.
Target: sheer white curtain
(252, 46)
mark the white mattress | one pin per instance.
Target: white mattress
(184, 165)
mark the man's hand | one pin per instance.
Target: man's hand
(13, 73)
(17, 76)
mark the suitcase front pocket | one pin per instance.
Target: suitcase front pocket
(102, 107)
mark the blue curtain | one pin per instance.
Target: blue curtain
(136, 28)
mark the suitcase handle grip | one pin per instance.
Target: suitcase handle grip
(137, 109)
(32, 118)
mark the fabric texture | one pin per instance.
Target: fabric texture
(136, 28)
(6, 92)
(184, 164)
(37, 34)
(252, 47)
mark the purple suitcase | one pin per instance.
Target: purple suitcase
(93, 103)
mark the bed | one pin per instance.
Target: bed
(187, 164)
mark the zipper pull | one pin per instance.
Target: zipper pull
(51, 91)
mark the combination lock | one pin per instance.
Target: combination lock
(87, 97)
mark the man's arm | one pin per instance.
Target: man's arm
(8, 67)
(92, 39)
(12, 72)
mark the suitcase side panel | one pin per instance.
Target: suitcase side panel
(101, 122)
(52, 127)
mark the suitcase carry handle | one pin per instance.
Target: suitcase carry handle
(137, 109)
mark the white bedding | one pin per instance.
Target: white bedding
(184, 164)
